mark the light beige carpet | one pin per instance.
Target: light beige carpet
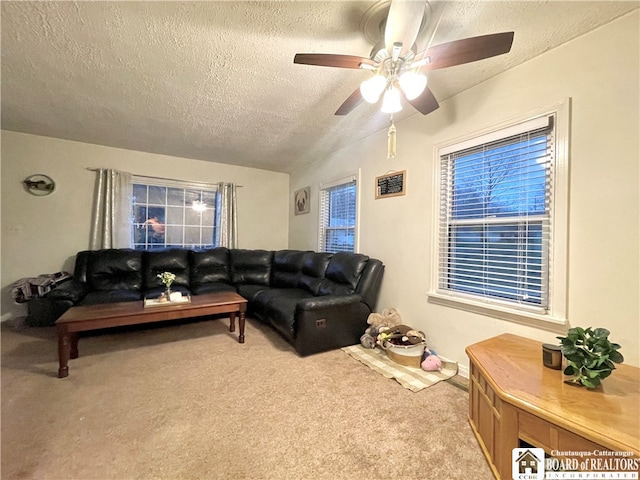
(186, 401)
(414, 379)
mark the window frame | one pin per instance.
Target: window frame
(181, 185)
(323, 188)
(556, 311)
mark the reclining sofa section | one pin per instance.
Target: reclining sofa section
(316, 301)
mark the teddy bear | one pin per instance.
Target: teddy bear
(378, 323)
(388, 318)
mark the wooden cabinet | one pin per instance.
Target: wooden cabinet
(513, 398)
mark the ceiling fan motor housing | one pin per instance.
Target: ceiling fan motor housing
(374, 23)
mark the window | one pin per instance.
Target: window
(173, 214)
(502, 218)
(337, 232)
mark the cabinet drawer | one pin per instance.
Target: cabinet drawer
(542, 434)
(572, 442)
(536, 431)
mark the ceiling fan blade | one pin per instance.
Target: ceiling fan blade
(350, 103)
(425, 103)
(467, 50)
(403, 23)
(425, 36)
(331, 60)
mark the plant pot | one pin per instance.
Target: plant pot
(570, 379)
(574, 378)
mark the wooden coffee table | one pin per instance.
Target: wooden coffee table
(93, 317)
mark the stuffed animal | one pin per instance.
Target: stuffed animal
(400, 335)
(388, 318)
(417, 335)
(430, 361)
(368, 339)
(379, 322)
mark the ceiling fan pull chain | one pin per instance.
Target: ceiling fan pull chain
(391, 140)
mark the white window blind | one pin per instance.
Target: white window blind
(338, 216)
(495, 211)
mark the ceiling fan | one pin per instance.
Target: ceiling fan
(398, 65)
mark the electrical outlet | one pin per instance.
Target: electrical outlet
(321, 323)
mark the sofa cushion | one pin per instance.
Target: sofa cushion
(264, 297)
(281, 312)
(250, 291)
(111, 296)
(213, 287)
(82, 265)
(175, 260)
(209, 266)
(114, 269)
(287, 268)
(313, 268)
(250, 266)
(72, 291)
(342, 274)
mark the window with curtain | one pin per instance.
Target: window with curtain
(170, 214)
(337, 232)
(497, 194)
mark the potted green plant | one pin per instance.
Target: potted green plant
(590, 356)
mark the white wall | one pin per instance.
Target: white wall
(42, 234)
(600, 73)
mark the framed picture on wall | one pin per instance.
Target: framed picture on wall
(301, 200)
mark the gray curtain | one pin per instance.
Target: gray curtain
(227, 230)
(113, 210)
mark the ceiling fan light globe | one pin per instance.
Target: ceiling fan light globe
(391, 101)
(372, 88)
(412, 84)
(199, 206)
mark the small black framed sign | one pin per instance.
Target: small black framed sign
(391, 184)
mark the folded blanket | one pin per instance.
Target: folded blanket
(26, 288)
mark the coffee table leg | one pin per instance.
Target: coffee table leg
(232, 322)
(64, 348)
(241, 323)
(73, 345)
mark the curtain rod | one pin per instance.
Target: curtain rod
(155, 178)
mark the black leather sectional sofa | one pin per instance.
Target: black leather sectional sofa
(316, 301)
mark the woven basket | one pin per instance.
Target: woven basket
(407, 355)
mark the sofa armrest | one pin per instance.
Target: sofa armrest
(329, 301)
(329, 322)
(73, 291)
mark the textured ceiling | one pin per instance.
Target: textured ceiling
(216, 80)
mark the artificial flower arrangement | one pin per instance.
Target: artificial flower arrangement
(167, 278)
